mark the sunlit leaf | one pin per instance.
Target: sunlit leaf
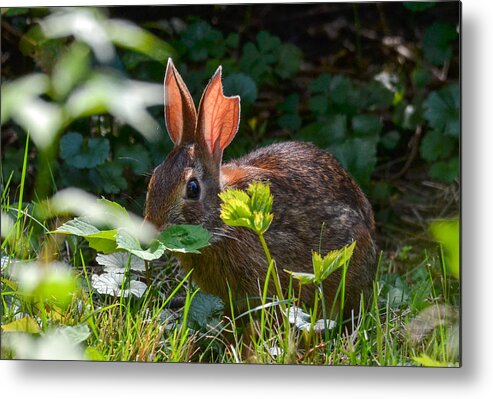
(125, 99)
(103, 241)
(112, 283)
(98, 212)
(128, 35)
(303, 278)
(78, 226)
(251, 209)
(302, 321)
(72, 67)
(118, 262)
(125, 240)
(52, 283)
(25, 324)
(85, 24)
(447, 233)
(425, 360)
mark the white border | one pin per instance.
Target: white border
(473, 380)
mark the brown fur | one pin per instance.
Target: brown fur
(317, 207)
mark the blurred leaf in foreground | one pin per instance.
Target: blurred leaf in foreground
(446, 232)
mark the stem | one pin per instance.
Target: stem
(272, 267)
(324, 312)
(21, 192)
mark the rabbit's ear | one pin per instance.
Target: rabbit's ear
(218, 118)
(179, 110)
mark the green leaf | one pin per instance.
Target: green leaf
(128, 35)
(318, 105)
(251, 209)
(290, 104)
(103, 241)
(442, 109)
(109, 177)
(185, 238)
(425, 360)
(25, 324)
(14, 11)
(332, 261)
(437, 42)
(72, 67)
(252, 62)
(233, 40)
(205, 311)
(268, 45)
(390, 140)
(289, 121)
(290, 118)
(57, 287)
(260, 197)
(435, 145)
(83, 154)
(75, 334)
(447, 233)
(320, 85)
(446, 171)
(303, 278)
(118, 262)
(420, 77)
(366, 125)
(323, 133)
(289, 61)
(202, 41)
(78, 226)
(359, 156)
(136, 156)
(417, 6)
(241, 84)
(128, 242)
(100, 240)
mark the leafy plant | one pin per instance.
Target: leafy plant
(439, 146)
(177, 238)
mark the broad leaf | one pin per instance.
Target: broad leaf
(78, 226)
(103, 241)
(83, 154)
(303, 278)
(128, 242)
(442, 110)
(437, 42)
(185, 238)
(205, 311)
(118, 262)
(112, 283)
(447, 233)
(26, 324)
(241, 84)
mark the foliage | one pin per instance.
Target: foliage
(250, 209)
(85, 87)
(176, 238)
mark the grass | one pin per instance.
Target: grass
(412, 319)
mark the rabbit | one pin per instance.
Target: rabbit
(317, 205)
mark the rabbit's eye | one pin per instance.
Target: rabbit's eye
(193, 189)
